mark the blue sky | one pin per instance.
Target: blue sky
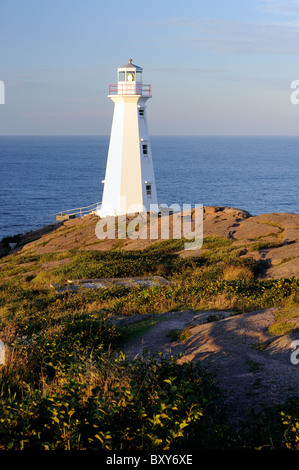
(216, 68)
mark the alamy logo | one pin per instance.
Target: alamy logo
(171, 223)
(2, 92)
(295, 94)
(295, 353)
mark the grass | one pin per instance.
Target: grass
(67, 385)
(264, 245)
(286, 320)
(179, 334)
(135, 330)
(285, 260)
(237, 272)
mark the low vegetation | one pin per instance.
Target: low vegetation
(66, 383)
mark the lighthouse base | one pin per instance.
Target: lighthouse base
(106, 212)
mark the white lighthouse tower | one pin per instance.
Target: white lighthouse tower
(129, 184)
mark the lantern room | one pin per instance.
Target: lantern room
(129, 73)
(129, 81)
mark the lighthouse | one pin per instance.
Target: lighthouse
(129, 184)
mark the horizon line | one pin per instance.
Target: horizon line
(152, 135)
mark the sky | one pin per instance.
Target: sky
(216, 67)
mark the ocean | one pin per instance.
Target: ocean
(42, 175)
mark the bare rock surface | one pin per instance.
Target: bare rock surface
(252, 367)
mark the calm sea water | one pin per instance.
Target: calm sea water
(43, 175)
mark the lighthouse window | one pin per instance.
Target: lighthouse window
(144, 149)
(138, 76)
(149, 189)
(141, 112)
(121, 76)
(130, 76)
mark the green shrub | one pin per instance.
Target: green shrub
(118, 405)
(64, 387)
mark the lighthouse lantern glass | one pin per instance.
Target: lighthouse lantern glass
(130, 76)
(121, 76)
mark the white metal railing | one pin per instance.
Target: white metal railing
(78, 210)
(48, 220)
(125, 88)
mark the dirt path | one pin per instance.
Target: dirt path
(250, 366)
(158, 338)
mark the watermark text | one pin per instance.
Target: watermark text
(171, 222)
(295, 353)
(294, 98)
(2, 92)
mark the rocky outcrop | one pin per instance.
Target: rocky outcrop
(271, 239)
